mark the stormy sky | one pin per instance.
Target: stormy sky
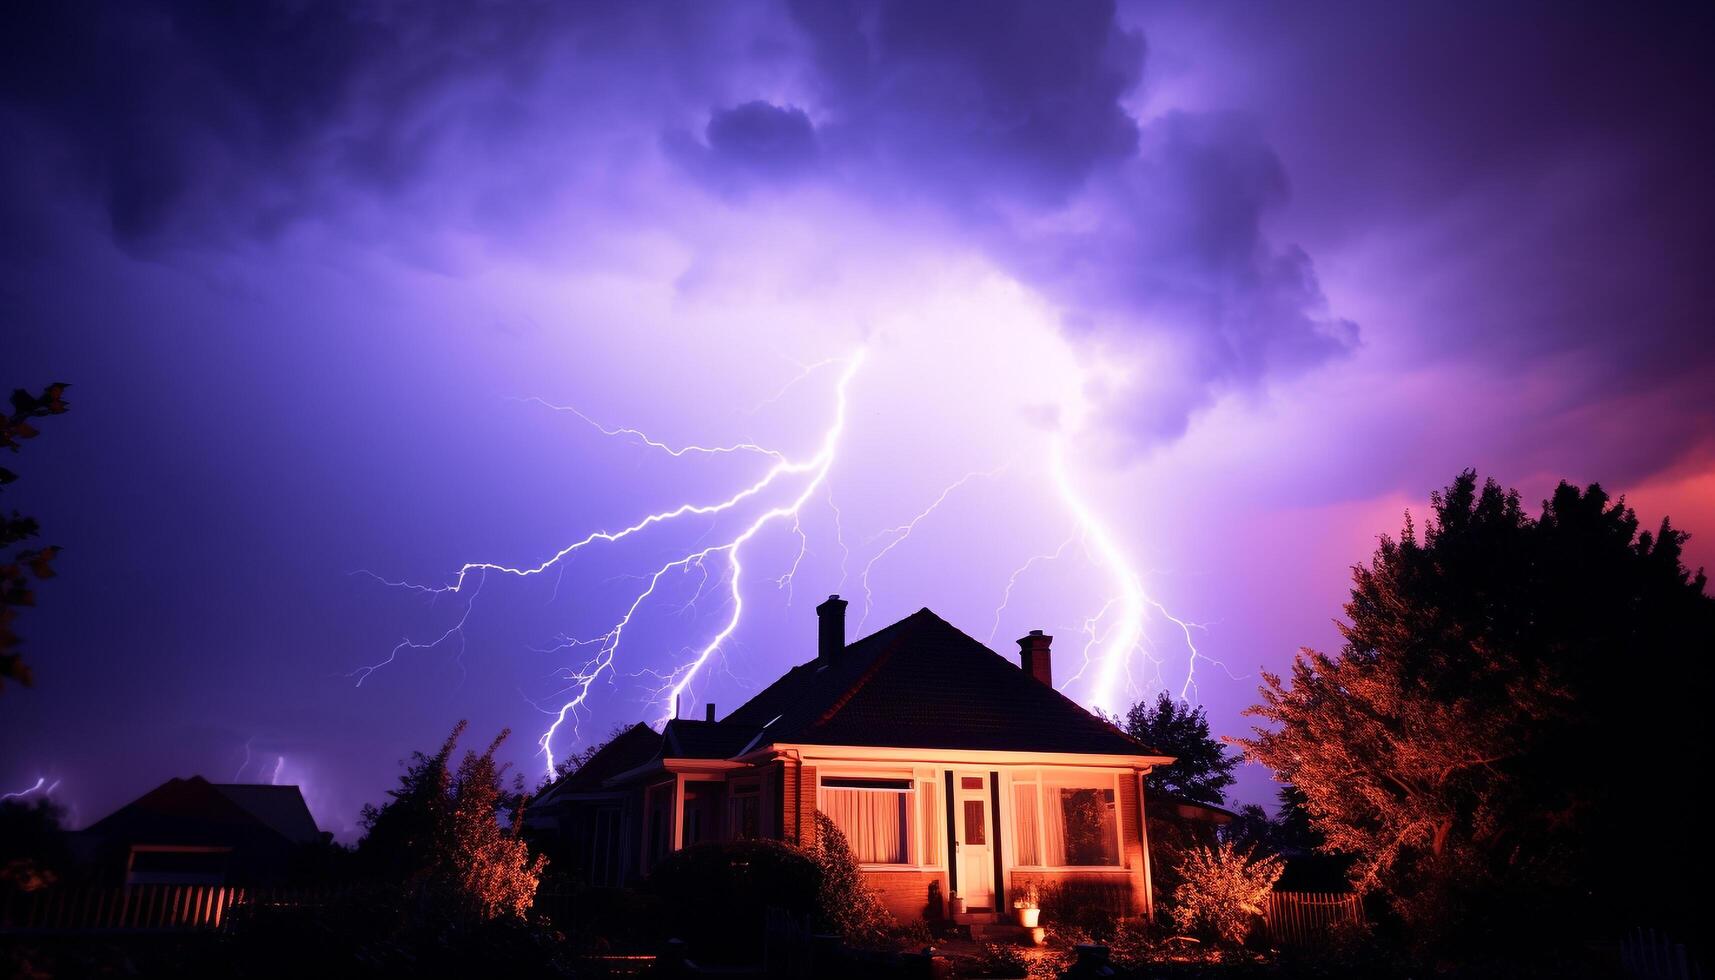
(357, 293)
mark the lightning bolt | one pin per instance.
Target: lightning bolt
(1115, 634)
(42, 785)
(813, 474)
(1112, 648)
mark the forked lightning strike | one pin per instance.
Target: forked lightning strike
(1114, 634)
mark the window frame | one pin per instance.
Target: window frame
(917, 835)
(1043, 780)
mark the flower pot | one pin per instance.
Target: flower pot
(1028, 918)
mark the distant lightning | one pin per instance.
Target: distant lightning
(1017, 573)
(41, 785)
(896, 535)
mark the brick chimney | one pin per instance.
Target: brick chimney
(830, 629)
(709, 712)
(1034, 658)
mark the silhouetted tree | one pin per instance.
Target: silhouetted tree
(1202, 768)
(28, 563)
(440, 834)
(1510, 696)
(33, 851)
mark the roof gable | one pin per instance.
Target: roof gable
(923, 683)
(627, 750)
(196, 810)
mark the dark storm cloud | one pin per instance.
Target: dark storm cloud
(1011, 114)
(200, 121)
(973, 98)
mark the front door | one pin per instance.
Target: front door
(974, 838)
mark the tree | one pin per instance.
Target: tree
(1509, 694)
(1202, 767)
(28, 563)
(440, 834)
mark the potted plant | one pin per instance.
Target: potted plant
(1028, 906)
(956, 903)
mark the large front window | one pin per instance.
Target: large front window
(1065, 821)
(886, 821)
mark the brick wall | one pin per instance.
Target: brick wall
(907, 893)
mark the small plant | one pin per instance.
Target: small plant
(1029, 898)
(1224, 891)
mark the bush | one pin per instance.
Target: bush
(844, 904)
(714, 896)
(1091, 906)
(1224, 891)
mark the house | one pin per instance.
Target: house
(948, 768)
(194, 832)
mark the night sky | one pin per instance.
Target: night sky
(1260, 277)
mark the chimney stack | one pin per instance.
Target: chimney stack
(1034, 658)
(709, 712)
(830, 629)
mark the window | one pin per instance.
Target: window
(887, 820)
(604, 850)
(874, 814)
(744, 811)
(1065, 821)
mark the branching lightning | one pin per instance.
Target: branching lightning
(1115, 636)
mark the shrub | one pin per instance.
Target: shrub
(1093, 906)
(1223, 891)
(844, 904)
(715, 896)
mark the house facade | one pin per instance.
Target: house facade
(949, 769)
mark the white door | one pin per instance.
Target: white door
(974, 840)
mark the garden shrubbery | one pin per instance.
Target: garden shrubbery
(715, 896)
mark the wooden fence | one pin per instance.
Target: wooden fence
(1307, 918)
(138, 908)
(1648, 955)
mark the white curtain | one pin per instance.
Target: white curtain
(874, 822)
(1053, 830)
(1024, 823)
(931, 838)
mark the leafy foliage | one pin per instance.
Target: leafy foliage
(440, 835)
(844, 902)
(1202, 767)
(1223, 891)
(1508, 692)
(715, 895)
(29, 563)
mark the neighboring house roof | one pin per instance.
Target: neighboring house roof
(1189, 809)
(684, 738)
(922, 683)
(627, 750)
(280, 807)
(194, 811)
